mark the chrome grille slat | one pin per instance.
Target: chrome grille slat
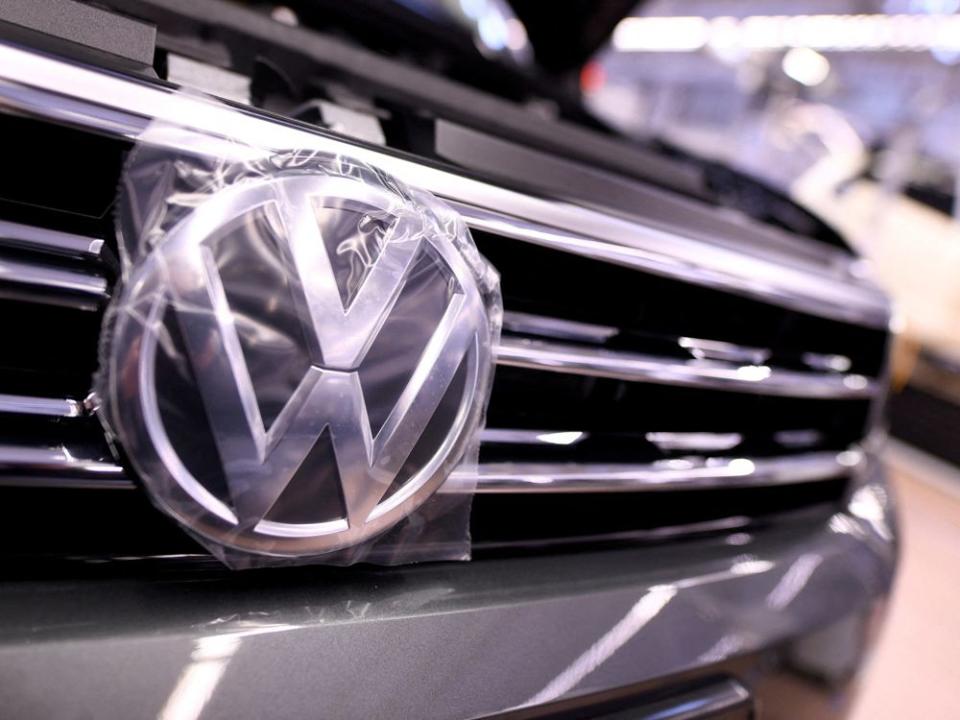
(50, 407)
(666, 475)
(714, 375)
(52, 278)
(558, 328)
(45, 239)
(57, 467)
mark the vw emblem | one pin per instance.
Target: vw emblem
(300, 361)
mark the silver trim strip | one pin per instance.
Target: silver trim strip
(827, 363)
(761, 379)
(694, 441)
(679, 474)
(125, 106)
(31, 236)
(724, 351)
(51, 407)
(558, 328)
(507, 436)
(52, 278)
(56, 480)
(56, 467)
(722, 698)
(831, 292)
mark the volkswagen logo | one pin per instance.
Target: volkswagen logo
(300, 361)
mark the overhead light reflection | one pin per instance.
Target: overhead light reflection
(200, 677)
(699, 441)
(532, 437)
(208, 662)
(793, 581)
(667, 34)
(642, 612)
(806, 66)
(560, 438)
(740, 538)
(753, 373)
(741, 466)
(833, 33)
(750, 566)
(856, 382)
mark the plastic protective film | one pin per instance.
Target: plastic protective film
(299, 354)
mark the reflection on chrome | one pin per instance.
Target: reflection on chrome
(834, 363)
(561, 438)
(869, 504)
(717, 350)
(710, 374)
(645, 609)
(850, 458)
(561, 329)
(34, 460)
(749, 565)
(38, 238)
(856, 382)
(52, 407)
(532, 437)
(53, 278)
(842, 524)
(754, 373)
(695, 441)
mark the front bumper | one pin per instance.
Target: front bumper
(788, 604)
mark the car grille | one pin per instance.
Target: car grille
(649, 383)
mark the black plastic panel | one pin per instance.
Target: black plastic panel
(542, 520)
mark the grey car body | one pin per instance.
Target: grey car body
(764, 610)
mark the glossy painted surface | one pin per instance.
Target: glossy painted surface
(438, 641)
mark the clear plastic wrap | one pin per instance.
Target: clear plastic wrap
(299, 353)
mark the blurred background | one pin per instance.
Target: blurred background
(850, 107)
